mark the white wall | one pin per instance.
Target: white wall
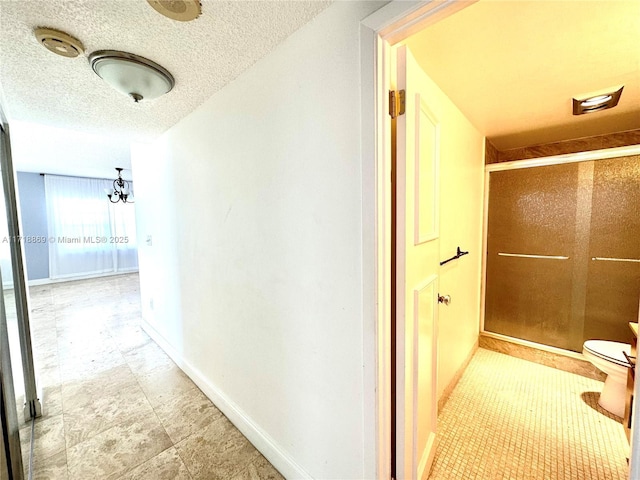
(253, 203)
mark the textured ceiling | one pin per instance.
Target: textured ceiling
(203, 55)
(512, 67)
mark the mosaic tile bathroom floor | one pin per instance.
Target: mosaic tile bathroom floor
(510, 419)
(116, 406)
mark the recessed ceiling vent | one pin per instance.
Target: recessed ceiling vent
(181, 10)
(59, 42)
(595, 103)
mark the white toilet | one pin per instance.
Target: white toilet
(608, 358)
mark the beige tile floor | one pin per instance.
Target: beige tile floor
(116, 407)
(511, 419)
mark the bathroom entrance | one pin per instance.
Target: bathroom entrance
(563, 259)
(515, 102)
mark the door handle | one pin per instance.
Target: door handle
(610, 259)
(630, 360)
(446, 299)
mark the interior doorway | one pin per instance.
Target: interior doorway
(458, 279)
(391, 31)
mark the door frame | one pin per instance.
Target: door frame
(379, 32)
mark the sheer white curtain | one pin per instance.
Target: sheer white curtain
(123, 231)
(88, 235)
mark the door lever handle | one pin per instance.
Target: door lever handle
(630, 360)
(446, 299)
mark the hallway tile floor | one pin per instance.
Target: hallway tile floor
(116, 406)
(510, 419)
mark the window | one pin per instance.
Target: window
(87, 234)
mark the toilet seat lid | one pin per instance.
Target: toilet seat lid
(611, 351)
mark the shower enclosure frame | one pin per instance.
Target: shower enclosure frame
(530, 163)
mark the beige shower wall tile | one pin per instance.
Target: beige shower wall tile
(585, 144)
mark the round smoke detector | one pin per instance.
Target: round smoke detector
(181, 10)
(59, 42)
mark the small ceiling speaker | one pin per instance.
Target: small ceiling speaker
(181, 10)
(58, 42)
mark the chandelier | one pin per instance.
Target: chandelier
(120, 190)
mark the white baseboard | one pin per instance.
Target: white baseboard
(260, 439)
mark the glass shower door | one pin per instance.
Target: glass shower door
(530, 254)
(613, 285)
(563, 255)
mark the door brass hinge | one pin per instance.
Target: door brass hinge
(396, 103)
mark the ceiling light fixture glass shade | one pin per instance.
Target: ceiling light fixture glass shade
(133, 75)
(121, 190)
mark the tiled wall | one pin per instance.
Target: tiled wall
(619, 139)
(490, 152)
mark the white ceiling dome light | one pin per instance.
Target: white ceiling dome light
(133, 75)
(181, 10)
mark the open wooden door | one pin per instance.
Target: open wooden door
(417, 265)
